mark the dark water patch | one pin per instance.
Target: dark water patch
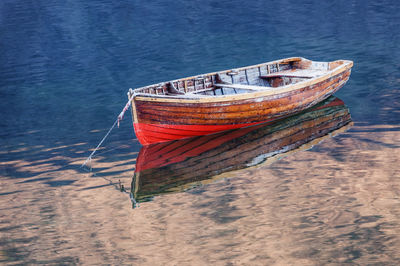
(69, 260)
(60, 183)
(197, 191)
(379, 143)
(13, 254)
(10, 193)
(368, 219)
(95, 187)
(24, 240)
(107, 174)
(34, 180)
(373, 130)
(9, 228)
(130, 163)
(222, 210)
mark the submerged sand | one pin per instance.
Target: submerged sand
(335, 203)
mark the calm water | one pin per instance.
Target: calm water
(65, 68)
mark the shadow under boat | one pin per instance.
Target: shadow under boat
(183, 164)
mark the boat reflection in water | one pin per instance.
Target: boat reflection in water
(179, 165)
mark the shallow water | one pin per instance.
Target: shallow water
(65, 69)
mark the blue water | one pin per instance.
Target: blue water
(66, 66)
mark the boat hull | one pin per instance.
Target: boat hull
(160, 120)
(154, 133)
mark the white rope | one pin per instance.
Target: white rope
(119, 118)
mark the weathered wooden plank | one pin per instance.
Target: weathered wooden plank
(234, 106)
(262, 113)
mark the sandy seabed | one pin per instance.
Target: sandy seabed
(335, 203)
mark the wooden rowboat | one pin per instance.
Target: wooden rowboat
(230, 99)
(183, 164)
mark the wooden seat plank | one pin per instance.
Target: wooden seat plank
(293, 74)
(241, 86)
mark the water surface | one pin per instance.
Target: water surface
(65, 68)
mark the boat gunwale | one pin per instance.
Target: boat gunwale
(193, 98)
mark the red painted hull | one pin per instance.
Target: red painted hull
(149, 134)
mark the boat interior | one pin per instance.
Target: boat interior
(242, 80)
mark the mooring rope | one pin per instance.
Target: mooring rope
(119, 118)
